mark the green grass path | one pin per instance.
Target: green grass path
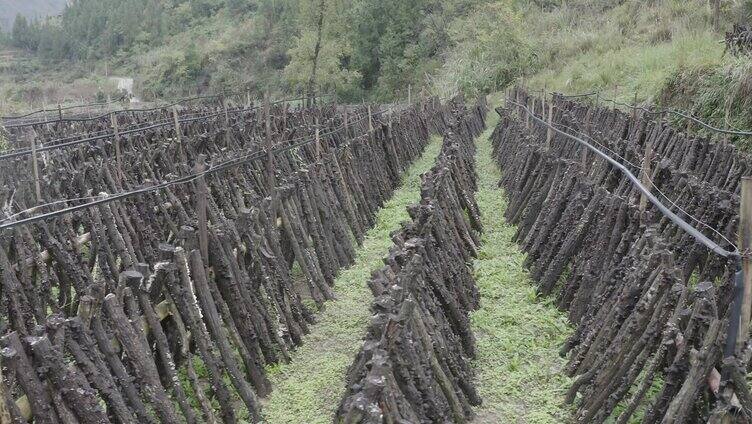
(518, 365)
(308, 390)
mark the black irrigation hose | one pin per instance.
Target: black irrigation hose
(682, 114)
(183, 180)
(115, 112)
(698, 235)
(63, 108)
(27, 151)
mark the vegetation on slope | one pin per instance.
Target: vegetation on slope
(29, 9)
(308, 389)
(664, 51)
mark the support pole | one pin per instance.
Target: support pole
(270, 177)
(59, 112)
(227, 116)
(176, 118)
(716, 15)
(318, 141)
(35, 167)
(634, 108)
(118, 158)
(347, 125)
(646, 173)
(409, 94)
(527, 115)
(745, 245)
(370, 120)
(201, 201)
(550, 133)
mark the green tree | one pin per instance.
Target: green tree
(321, 51)
(23, 35)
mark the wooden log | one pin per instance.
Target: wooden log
(72, 386)
(37, 393)
(745, 246)
(163, 348)
(125, 381)
(214, 325)
(135, 347)
(96, 371)
(185, 302)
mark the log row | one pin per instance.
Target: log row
(413, 366)
(168, 307)
(649, 304)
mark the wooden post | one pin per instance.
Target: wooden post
(543, 104)
(745, 245)
(176, 119)
(347, 125)
(201, 201)
(247, 99)
(550, 133)
(645, 174)
(118, 158)
(35, 167)
(318, 141)
(584, 152)
(716, 15)
(527, 114)
(59, 112)
(634, 108)
(409, 94)
(370, 120)
(270, 177)
(227, 116)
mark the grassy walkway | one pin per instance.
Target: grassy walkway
(518, 365)
(308, 390)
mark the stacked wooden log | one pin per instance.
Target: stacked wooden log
(413, 366)
(650, 304)
(163, 306)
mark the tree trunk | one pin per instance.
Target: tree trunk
(316, 50)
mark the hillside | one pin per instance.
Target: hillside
(662, 51)
(31, 9)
